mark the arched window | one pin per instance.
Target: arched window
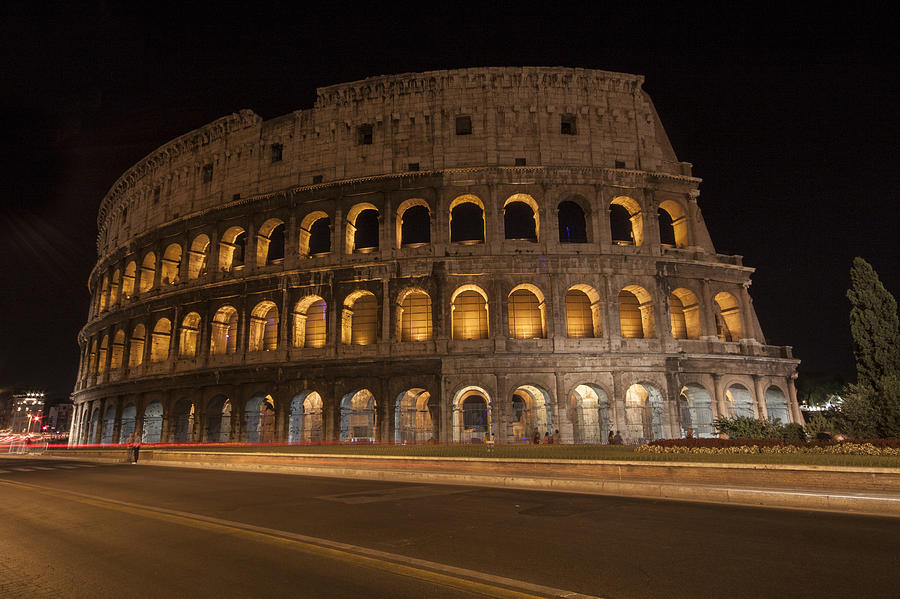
(643, 413)
(92, 363)
(466, 220)
(103, 295)
(170, 267)
(310, 322)
(190, 336)
(223, 338)
(148, 271)
(413, 223)
(684, 312)
(471, 415)
(114, 288)
(358, 416)
(728, 317)
(162, 334)
(101, 356)
(626, 222)
(118, 350)
(526, 313)
(362, 229)
(136, 348)
(315, 234)
(741, 401)
(673, 230)
(263, 327)
(128, 280)
(270, 242)
(198, 257)
(572, 223)
(583, 318)
(777, 405)
(415, 316)
(469, 313)
(359, 324)
(636, 313)
(589, 413)
(520, 218)
(232, 247)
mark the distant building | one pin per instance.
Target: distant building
(25, 411)
(58, 418)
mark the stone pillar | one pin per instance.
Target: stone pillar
(762, 410)
(721, 403)
(708, 313)
(796, 414)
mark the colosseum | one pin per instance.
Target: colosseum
(451, 256)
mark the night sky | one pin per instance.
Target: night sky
(791, 120)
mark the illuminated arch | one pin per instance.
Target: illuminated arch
(232, 248)
(136, 346)
(530, 411)
(218, 420)
(415, 417)
(696, 410)
(259, 419)
(636, 313)
(467, 224)
(315, 234)
(643, 413)
(414, 318)
(471, 418)
(741, 401)
(118, 350)
(583, 314)
(469, 313)
(588, 413)
(170, 265)
(223, 337)
(198, 257)
(103, 296)
(153, 419)
(673, 224)
(114, 287)
(183, 421)
(359, 319)
(128, 279)
(521, 218)
(263, 333)
(527, 312)
(777, 405)
(305, 424)
(270, 242)
(359, 416)
(362, 235)
(684, 314)
(310, 322)
(101, 355)
(189, 340)
(126, 425)
(413, 223)
(162, 335)
(626, 221)
(728, 317)
(148, 271)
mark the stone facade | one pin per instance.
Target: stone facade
(450, 255)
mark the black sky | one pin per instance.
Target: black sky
(791, 119)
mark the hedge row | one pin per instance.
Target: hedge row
(871, 447)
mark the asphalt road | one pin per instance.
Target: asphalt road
(77, 529)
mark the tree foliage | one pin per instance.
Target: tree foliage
(743, 427)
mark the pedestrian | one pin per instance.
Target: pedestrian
(556, 436)
(536, 437)
(610, 439)
(129, 444)
(617, 439)
(136, 447)
(547, 439)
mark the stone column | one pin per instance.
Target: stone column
(708, 313)
(720, 400)
(796, 414)
(762, 410)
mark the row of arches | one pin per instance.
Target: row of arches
(586, 416)
(414, 321)
(521, 221)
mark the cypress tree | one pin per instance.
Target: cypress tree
(873, 326)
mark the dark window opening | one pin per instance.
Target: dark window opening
(207, 173)
(415, 227)
(412, 166)
(156, 193)
(475, 414)
(276, 245)
(240, 247)
(572, 224)
(320, 237)
(666, 228)
(364, 135)
(620, 225)
(464, 125)
(567, 124)
(366, 235)
(520, 162)
(518, 222)
(317, 179)
(467, 223)
(277, 150)
(620, 164)
(236, 196)
(518, 406)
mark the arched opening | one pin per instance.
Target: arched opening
(114, 288)
(126, 426)
(109, 423)
(362, 229)
(572, 222)
(92, 361)
(626, 222)
(358, 417)
(310, 325)
(270, 242)
(583, 316)
(259, 418)
(103, 296)
(684, 314)
(118, 350)
(467, 220)
(95, 426)
(136, 347)
(636, 313)
(153, 419)
(223, 337)
(128, 280)
(218, 420)
(415, 417)
(672, 224)
(263, 334)
(741, 401)
(777, 405)
(190, 336)
(170, 267)
(306, 418)
(101, 355)
(469, 313)
(588, 412)
(162, 335)
(696, 411)
(471, 416)
(413, 224)
(183, 421)
(414, 315)
(521, 218)
(526, 313)
(315, 234)
(148, 271)
(530, 412)
(728, 317)
(359, 321)
(643, 413)
(232, 248)
(198, 257)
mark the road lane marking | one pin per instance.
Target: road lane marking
(24, 469)
(67, 467)
(466, 580)
(43, 468)
(4, 471)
